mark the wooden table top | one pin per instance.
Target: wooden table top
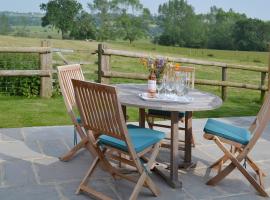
(129, 96)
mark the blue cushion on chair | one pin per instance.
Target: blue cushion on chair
(164, 113)
(79, 120)
(229, 132)
(141, 138)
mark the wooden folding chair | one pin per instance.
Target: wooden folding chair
(65, 74)
(102, 115)
(166, 115)
(242, 142)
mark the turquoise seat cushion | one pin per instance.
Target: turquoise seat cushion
(141, 138)
(79, 120)
(226, 131)
(164, 113)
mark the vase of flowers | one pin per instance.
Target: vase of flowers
(156, 67)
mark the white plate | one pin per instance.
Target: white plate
(174, 99)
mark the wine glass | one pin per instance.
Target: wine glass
(171, 84)
(160, 86)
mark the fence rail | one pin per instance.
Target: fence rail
(45, 65)
(40, 50)
(22, 73)
(45, 69)
(105, 72)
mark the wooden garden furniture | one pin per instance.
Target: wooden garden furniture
(129, 96)
(242, 142)
(152, 114)
(102, 117)
(65, 74)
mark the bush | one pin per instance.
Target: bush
(166, 40)
(19, 86)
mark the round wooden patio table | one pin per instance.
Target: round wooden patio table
(202, 101)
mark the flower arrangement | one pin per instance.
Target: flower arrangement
(156, 65)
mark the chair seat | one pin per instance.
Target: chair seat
(162, 113)
(141, 139)
(226, 131)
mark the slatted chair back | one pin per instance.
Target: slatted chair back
(65, 75)
(260, 122)
(100, 109)
(190, 74)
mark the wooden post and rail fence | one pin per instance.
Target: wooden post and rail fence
(105, 72)
(45, 66)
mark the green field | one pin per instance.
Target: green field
(22, 112)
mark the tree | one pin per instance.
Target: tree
(251, 34)
(105, 25)
(61, 14)
(220, 25)
(84, 27)
(134, 25)
(180, 25)
(5, 27)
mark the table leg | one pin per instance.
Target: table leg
(188, 142)
(174, 158)
(172, 179)
(142, 117)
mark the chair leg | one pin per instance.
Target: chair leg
(252, 181)
(149, 121)
(138, 187)
(235, 163)
(68, 156)
(219, 162)
(255, 167)
(144, 178)
(88, 174)
(221, 175)
(83, 185)
(154, 189)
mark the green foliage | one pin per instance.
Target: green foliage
(215, 30)
(180, 25)
(130, 26)
(19, 86)
(61, 14)
(251, 34)
(220, 24)
(5, 27)
(84, 27)
(103, 10)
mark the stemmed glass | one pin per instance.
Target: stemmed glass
(160, 86)
(170, 82)
(170, 86)
(179, 83)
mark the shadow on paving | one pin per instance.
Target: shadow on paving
(30, 168)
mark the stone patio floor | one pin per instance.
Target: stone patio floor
(30, 169)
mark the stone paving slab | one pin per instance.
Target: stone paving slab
(30, 168)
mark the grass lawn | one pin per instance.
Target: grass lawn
(23, 112)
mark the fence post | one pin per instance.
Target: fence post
(263, 79)
(45, 60)
(103, 64)
(224, 88)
